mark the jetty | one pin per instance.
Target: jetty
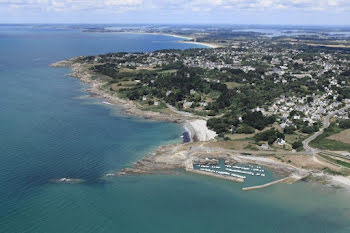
(290, 180)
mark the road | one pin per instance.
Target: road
(252, 152)
(182, 113)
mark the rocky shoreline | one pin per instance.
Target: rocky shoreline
(129, 107)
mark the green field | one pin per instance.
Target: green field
(172, 71)
(231, 85)
(322, 142)
(336, 161)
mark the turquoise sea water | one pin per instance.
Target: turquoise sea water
(49, 130)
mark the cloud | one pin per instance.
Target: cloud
(172, 10)
(196, 5)
(76, 5)
(250, 5)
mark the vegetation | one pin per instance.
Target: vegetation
(344, 124)
(270, 136)
(298, 145)
(221, 125)
(337, 173)
(310, 129)
(327, 144)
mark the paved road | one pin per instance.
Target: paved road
(326, 124)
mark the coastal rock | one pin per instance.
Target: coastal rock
(230, 162)
(206, 161)
(67, 180)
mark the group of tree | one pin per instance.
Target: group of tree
(231, 123)
(257, 120)
(298, 145)
(270, 136)
(222, 124)
(344, 124)
(310, 129)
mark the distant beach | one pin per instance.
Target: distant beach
(186, 39)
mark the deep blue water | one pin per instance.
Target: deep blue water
(49, 130)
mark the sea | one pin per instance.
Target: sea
(51, 128)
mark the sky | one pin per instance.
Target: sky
(292, 12)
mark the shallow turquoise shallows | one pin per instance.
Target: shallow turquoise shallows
(50, 128)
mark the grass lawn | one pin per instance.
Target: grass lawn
(153, 108)
(240, 137)
(291, 138)
(232, 145)
(213, 95)
(231, 85)
(124, 84)
(167, 71)
(343, 136)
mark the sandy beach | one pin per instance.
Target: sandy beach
(185, 39)
(213, 46)
(198, 129)
(191, 40)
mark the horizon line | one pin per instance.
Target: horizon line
(150, 23)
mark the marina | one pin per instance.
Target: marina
(253, 176)
(238, 171)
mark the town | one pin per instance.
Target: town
(242, 87)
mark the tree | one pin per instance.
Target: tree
(289, 130)
(257, 120)
(246, 129)
(297, 145)
(308, 129)
(217, 125)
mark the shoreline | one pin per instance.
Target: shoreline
(188, 40)
(127, 106)
(169, 158)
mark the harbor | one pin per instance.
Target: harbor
(255, 176)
